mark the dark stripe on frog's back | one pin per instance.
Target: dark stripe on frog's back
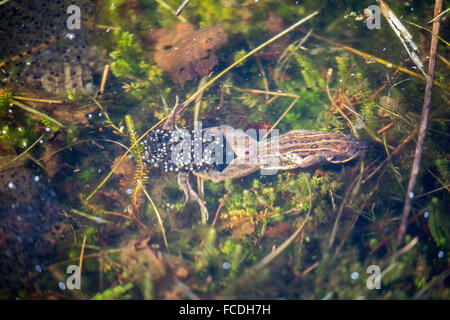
(304, 143)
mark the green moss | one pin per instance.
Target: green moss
(438, 224)
(309, 71)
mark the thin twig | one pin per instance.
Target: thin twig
(439, 180)
(432, 191)
(34, 111)
(104, 78)
(392, 155)
(402, 33)
(271, 93)
(158, 216)
(200, 184)
(163, 4)
(37, 100)
(181, 7)
(351, 192)
(108, 120)
(98, 220)
(423, 125)
(281, 117)
(220, 208)
(80, 263)
(436, 279)
(33, 50)
(386, 239)
(23, 153)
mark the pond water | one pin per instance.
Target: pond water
(84, 216)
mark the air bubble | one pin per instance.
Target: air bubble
(99, 220)
(69, 36)
(354, 275)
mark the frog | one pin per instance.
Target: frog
(295, 149)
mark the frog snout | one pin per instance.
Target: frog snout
(353, 150)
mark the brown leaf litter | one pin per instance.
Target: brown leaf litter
(185, 53)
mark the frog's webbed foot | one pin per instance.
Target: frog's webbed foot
(189, 192)
(236, 169)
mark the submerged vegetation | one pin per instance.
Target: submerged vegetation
(74, 189)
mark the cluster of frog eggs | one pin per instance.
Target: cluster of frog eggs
(160, 144)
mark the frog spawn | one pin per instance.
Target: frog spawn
(160, 145)
(32, 228)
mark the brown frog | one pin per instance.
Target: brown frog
(295, 149)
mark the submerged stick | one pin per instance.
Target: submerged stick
(423, 125)
(402, 33)
(34, 111)
(182, 6)
(158, 216)
(23, 153)
(37, 100)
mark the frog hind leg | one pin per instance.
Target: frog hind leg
(189, 192)
(234, 170)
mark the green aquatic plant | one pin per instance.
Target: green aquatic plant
(209, 251)
(141, 175)
(438, 223)
(309, 71)
(114, 293)
(443, 165)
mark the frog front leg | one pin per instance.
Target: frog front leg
(236, 169)
(170, 122)
(191, 195)
(304, 162)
